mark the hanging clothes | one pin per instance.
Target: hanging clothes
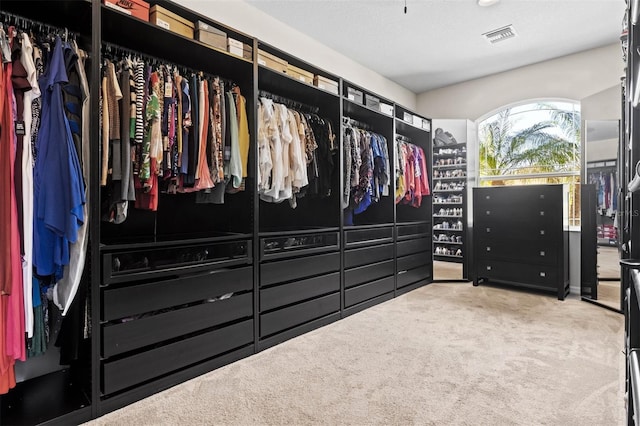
(412, 175)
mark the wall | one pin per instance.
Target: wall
(575, 77)
(254, 22)
(602, 150)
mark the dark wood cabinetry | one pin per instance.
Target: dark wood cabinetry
(191, 287)
(520, 237)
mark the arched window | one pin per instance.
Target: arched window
(533, 143)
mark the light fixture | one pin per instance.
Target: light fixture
(485, 3)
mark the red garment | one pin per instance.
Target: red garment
(421, 181)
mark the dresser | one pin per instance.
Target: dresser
(520, 237)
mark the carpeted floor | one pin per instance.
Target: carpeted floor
(445, 354)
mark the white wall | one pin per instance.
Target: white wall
(606, 149)
(572, 77)
(254, 22)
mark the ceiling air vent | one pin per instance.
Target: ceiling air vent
(500, 34)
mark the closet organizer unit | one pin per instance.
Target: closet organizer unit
(299, 192)
(603, 175)
(367, 198)
(55, 382)
(176, 289)
(414, 262)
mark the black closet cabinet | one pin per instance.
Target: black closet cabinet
(520, 237)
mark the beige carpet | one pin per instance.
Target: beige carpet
(445, 354)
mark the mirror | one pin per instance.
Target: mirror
(602, 139)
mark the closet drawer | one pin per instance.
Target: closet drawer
(357, 237)
(287, 246)
(526, 232)
(413, 230)
(508, 249)
(407, 247)
(293, 269)
(129, 371)
(411, 276)
(142, 298)
(367, 255)
(514, 198)
(413, 261)
(368, 291)
(509, 219)
(286, 294)
(280, 320)
(363, 274)
(123, 337)
(145, 264)
(518, 272)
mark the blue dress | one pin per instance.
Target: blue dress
(58, 185)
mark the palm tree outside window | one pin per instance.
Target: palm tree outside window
(534, 143)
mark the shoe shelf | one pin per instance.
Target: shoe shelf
(450, 166)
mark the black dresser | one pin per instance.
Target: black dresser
(520, 237)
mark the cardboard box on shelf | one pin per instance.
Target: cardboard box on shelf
(300, 74)
(135, 8)
(325, 83)
(238, 48)
(355, 95)
(211, 35)
(271, 61)
(171, 21)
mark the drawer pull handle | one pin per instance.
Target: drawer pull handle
(488, 248)
(542, 253)
(542, 232)
(488, 212)
(488, 268)
(488, 197)
(542, 213)
(488, 229)
(543, 274)
(542, 196)
(402, 272)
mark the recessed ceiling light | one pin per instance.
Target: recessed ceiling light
(485, 3)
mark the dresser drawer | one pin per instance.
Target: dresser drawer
(518, 272)
(411, 276)
(368, 291)
(358, 237)
(367, 255)
(408, 247)
(302, 267)
(152, 296)
(518, 198)
(413, 261)
(510, 249)
(282, 319)
(296, 291)
(510, 218)
(363, 274)
(525, 232)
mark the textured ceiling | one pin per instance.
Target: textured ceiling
(439, 42)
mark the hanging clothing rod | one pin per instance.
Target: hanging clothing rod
(110, 50)
(356, 123)
(30, 24)
(288, 102)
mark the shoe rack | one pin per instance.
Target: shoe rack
(452, 175)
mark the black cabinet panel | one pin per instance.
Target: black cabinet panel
(355, 237)
(408, 247)
(282, 319)
(531, 252)
(126, 372)
(141, 298)
(367, 255)
(413, 230)
(286, 294)
(129, 335)
(543, 275)
(413, 261)
(414, 275)
(367, 273)
(367, 291)
(292, 269)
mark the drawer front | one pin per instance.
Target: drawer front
(130, 371)
(354, 237)
(408, 247)
(411, 276)
(413, 261)
(274, 297)
(413, 230)
(528, 252)
(280, 320)
(126, 336)
(367, 273)
(368, 291)
(540, 275)
(526, 232)
(509, 218)
(137, 299)
(519, 198)
(367, 255)
(293, 269)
